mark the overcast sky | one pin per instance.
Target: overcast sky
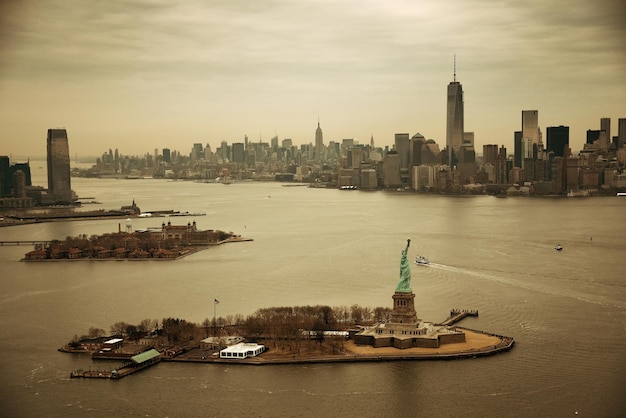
(139, 75)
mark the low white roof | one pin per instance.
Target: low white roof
(114, 341)
(241, 348)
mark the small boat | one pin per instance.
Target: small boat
(421, 260)
(558, 247)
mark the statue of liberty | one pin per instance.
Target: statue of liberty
(404, 285)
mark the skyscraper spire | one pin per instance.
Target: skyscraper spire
(455, 68)
(319, 142)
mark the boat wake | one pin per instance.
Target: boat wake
(543, 288)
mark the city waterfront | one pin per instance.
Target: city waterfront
(566, 310)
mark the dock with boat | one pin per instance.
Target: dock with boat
(138, 362)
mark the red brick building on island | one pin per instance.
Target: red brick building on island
(165, 243)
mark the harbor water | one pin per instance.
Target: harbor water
(566, 309)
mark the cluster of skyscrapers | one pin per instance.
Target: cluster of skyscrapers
(412, 163)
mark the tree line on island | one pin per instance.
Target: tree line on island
(285, 328)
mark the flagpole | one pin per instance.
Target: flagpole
(215, 302)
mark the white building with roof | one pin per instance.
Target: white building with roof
(242, 350)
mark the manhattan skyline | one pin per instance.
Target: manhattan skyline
(143, 75)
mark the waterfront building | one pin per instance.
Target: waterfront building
(14, 181)
(597, 140)
(423, 177)
(401, 141)
(369, 179)
(416, 145)
(592, 136)
(516, 175)
(207, 152)
(430, 152)
(238, 152)
(501, 166)
(527, 150)
(391, 170)
(573, 166)
(605, 125)
(356, 156)
(223, 152)
(59, 184)
(529, 170)
(5, 178)
(530, 125)
(557, 139)
(454, 118)
(467, 162)
(621, 132)
(242, 350)
(196, 152)
(346, 144)
(490, 153)
(517, 149)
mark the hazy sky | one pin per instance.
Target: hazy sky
(139, 75)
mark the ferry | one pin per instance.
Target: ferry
(421, 260)
(558, 247)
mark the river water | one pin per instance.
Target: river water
(566, 310)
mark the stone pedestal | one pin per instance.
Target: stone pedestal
(404, 309)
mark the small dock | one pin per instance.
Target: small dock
(137, 363)
(457, 314)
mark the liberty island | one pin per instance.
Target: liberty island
(402, 337)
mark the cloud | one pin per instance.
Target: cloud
(375, 66)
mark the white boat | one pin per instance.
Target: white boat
(558, 247)
(421, 260)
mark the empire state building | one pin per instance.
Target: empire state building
(454, 121)
(319, 143)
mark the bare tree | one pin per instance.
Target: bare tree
(118, 328)
(356, 312)
(147, 325)
(95, 332)
(206, 325)
(367, 315)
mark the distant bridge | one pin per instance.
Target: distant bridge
(3, 243)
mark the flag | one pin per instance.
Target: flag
(216, 301)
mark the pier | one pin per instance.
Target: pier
(457, 314)
(137, 363)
